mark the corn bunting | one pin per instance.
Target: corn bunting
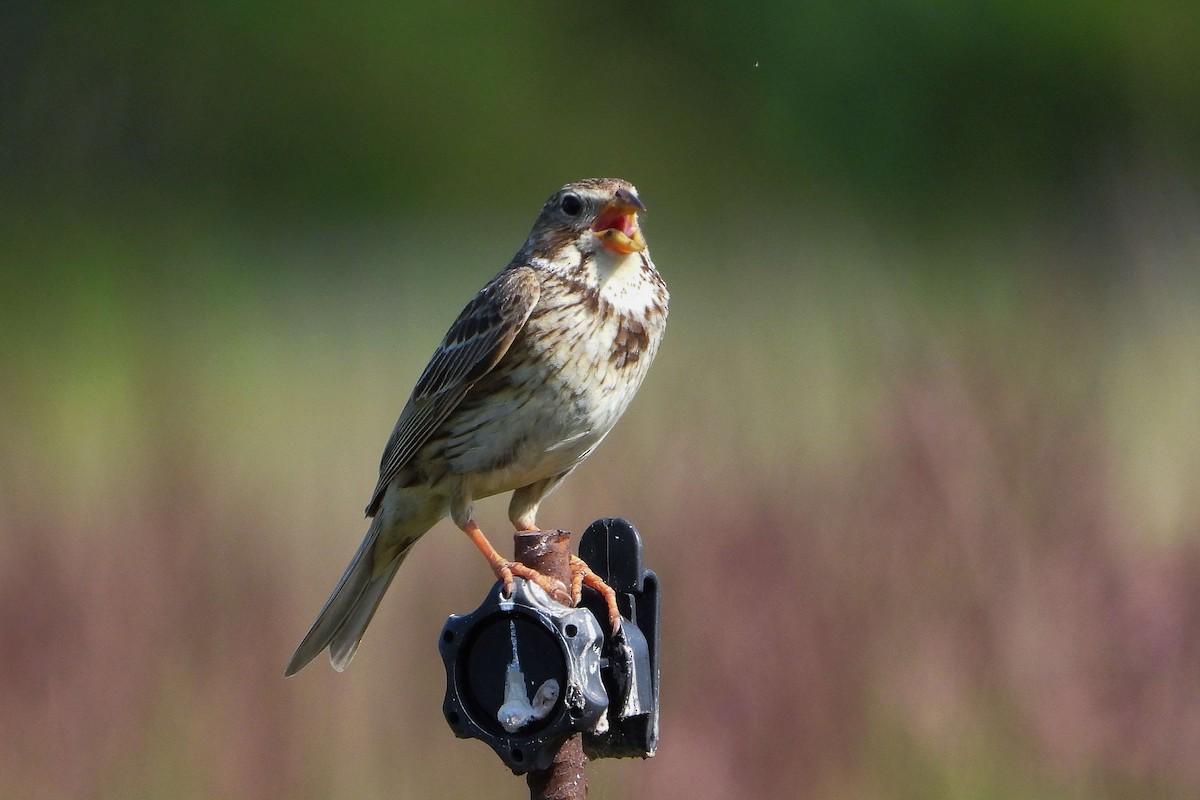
(532, 375)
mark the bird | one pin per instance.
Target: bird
(529, 379)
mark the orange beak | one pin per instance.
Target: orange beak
(616, 227)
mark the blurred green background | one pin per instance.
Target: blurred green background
(917, 464)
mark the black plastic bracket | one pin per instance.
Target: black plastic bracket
(612, 549)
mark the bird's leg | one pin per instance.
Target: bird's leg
(582, 575)
(504, 570)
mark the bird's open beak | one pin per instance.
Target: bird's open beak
(616, 227)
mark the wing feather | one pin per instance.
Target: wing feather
(475, 343)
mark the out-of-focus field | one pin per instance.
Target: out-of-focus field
(919, 538)
(918, 466)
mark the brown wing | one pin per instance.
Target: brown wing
(475, 343)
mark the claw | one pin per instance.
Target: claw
(504, 573)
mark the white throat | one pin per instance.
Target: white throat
(621, 279)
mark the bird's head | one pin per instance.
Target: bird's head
(593, 215)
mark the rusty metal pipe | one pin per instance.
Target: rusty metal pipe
(549, 552)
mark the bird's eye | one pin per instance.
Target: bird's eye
(571, 205)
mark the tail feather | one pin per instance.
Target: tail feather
(346, 613)
(345, 640)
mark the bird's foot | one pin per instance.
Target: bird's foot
(506, 570)
(582, 575)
